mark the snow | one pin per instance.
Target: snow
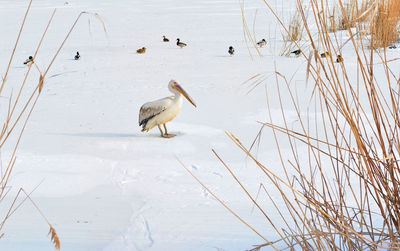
(101, 182)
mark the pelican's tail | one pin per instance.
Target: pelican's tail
(144, 124)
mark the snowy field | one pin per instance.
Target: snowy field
(102, 183)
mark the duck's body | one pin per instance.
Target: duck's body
(325, 54)
(141, 50)
(161, 111)
(296, 52)
(231, 50)
(77, 56)
(29, 61)
(262, 43)
(339, 59)
(165, 39)
(180, 44)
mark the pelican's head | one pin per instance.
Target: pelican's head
(176, 88)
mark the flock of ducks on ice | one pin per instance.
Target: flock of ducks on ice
(165, 39)
(159, 112)
(29, 61)
(231, 50)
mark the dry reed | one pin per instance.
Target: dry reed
(384, 24)
(18, 115)
(345, 196)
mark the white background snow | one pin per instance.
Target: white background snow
(103, 184)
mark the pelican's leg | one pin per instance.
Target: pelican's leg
(162, 133)
(167, 135)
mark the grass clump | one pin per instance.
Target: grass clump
(384, 23)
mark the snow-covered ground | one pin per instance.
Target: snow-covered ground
(103, 184)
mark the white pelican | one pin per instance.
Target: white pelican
(159, 112)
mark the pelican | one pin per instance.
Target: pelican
(159, 112)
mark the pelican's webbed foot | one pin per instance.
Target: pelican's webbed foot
(168, 135)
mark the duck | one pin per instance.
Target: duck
(262, 43)
(325, 54)
(339, 59)
(29, 61)
(77, 56)
(165, 39)
(141, 50)
(296, 52)
(231, 51)
(179, 43)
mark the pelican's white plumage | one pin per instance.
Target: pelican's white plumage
(161, 111)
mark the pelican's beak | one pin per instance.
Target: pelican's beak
(184, 93)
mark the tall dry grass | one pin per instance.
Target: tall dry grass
(339, 182)
(20, 108)
(384, 23)
(294, 34)
(350, 11)
(296, 28)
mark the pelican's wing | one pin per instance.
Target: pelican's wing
(151, 109)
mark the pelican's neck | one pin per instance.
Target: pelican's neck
(177, 96)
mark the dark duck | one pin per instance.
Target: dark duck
(29, 61)
(179, 43)
(77, 56)
(325, 54)
(296, 52)
(231, 51)
(262, 43)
